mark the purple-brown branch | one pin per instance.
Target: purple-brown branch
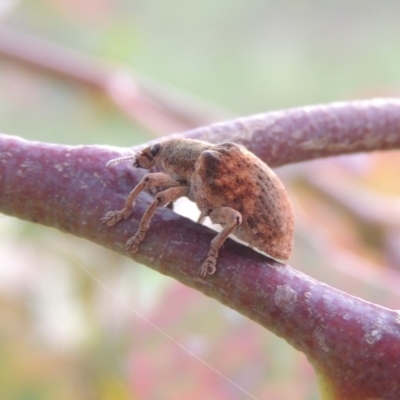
(354, 345)
(306, 133)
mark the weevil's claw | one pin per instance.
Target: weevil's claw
(132, 244)
(112, 217)
(209, 266)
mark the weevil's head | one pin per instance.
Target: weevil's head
(145, 158)
(174, 156)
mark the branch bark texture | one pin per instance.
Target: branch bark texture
(306, 133)
(354, 345)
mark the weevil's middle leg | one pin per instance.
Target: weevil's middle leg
(156, 179)
(161, 199)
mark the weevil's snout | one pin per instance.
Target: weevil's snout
(146, 158)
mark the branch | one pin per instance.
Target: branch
(306, 133)
(354, 345)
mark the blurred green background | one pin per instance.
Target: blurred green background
(69, 323)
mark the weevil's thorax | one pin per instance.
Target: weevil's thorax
(178, 156)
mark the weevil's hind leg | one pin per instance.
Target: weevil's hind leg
(202, 218)
(161, 199)
(157, 179)
(230, 219)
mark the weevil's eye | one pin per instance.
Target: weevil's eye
(155, 149)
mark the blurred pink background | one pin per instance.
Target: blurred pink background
(69, 319)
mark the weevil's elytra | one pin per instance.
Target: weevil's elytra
(228, 183)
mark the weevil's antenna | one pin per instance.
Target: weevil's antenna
(116, 161)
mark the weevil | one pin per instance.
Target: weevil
(228, 183)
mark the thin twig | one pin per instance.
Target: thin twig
(365, 204)
(154, 105)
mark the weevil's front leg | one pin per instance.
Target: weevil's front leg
(161, 199)
(157, 179)
(230, 219)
